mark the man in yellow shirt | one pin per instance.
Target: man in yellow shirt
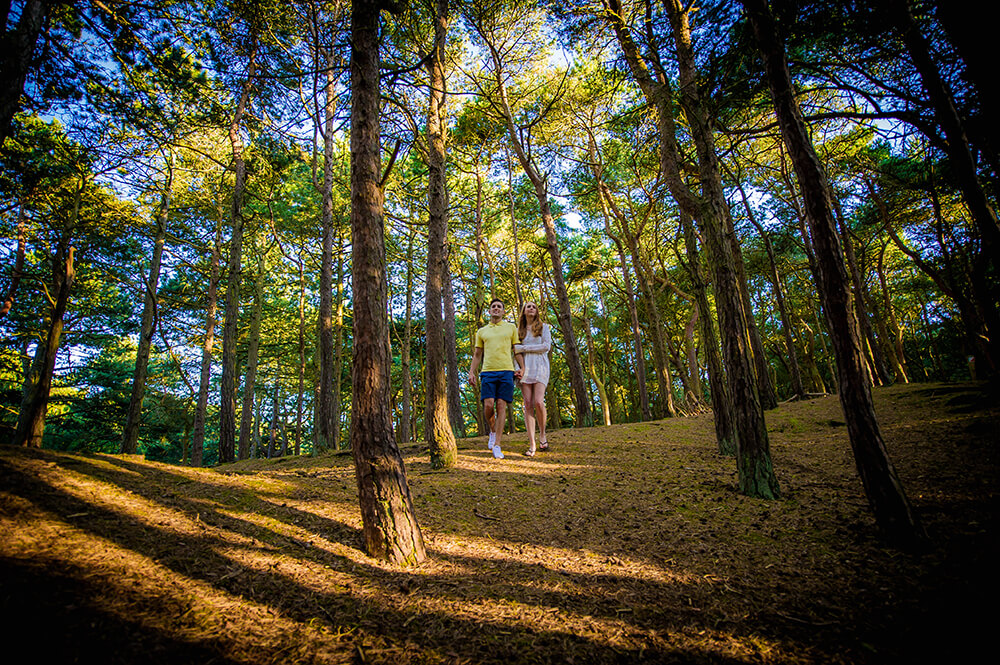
(494, 343)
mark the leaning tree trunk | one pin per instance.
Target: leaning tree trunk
(130, 438)
(756, 475)
(885, 493)
(722, 407)
(18, 270)
(876, 358)
(795, 373)
(765, 386)
(388, 523)
(17, 49)
(584, 413)
(438, 430)
(753, 451)
(604, 196)
(38, 384)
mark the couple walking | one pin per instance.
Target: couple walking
(529, 342)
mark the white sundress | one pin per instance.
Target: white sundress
(536, 355)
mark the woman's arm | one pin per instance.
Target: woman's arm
(539, 347)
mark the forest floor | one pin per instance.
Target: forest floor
(626, 543)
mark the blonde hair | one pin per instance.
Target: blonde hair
(536, 325)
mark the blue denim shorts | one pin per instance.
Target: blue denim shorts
(497, 385)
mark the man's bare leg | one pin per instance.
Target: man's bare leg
(501, 412)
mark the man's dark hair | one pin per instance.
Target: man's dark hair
(496, 300)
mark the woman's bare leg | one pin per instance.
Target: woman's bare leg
(538, 394)
(527, 393)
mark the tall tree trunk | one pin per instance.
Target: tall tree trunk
(584, 413)
(756, 473)
(328, 382)
(451, 350)
(405, 433)
(17, 48)
(640, 361)
(779, 295)
(388, 523)
(592, 370)
(722, 408)
(753, 453)
(894, 336)
(18, 271)
(987, 274)
(227, 410)
(301, 393)
(338, 350)
(38, 384)
(198, 436)
(130, 438)
(438, 430)
(253, 356)
(877, 360)
(885, 493)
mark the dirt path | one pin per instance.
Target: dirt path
(621, 544)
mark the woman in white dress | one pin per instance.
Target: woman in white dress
(536, 340)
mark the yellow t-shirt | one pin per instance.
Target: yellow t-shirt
(497, 340)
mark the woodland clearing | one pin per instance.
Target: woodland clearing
(626, 543)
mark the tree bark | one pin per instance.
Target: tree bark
(438, 430)
(38, 383)
(882, 485)
(722, 408)
(130, 438)
(253, 357)
(301, 369)
(18, 270)
(753, 453)
(795, 374)
(451, 350)
(877, 360)
(640, 360)
(756, 474)
(539, 181)
(17, 49)
(388, 523)
(227, 410)
(198, 436)
(325, 438)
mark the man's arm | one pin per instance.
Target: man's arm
(477, 356)
(519, 359)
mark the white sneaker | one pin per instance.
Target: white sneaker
(493, 440)
(497, 452)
